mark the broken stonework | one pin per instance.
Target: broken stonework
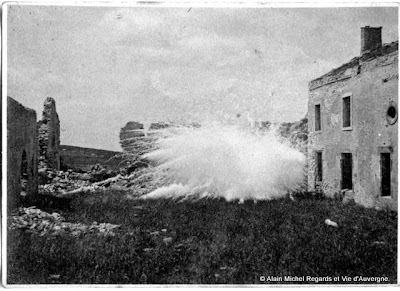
(22, 148)
(137, 137)
(348, 196)
(39, 222)
(49, 136)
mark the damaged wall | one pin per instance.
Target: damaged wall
(22, 149)
(371, 82)
(49, 136)
(137, 137)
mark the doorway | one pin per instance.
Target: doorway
(385, 174)
(347, 171)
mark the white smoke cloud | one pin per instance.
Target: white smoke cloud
(226, 161)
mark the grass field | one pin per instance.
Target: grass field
(206, 242)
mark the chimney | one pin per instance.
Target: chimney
(371, 38)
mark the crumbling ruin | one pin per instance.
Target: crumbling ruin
(49, 136)
(22, 150)
(135, 136)
(353, 135)
(31, 145)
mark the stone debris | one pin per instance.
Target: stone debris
(54, 181)
(34, 220)
(69, 183)
(330, 223)
(227, 268)
(167, 240)
(99, 173)
(177, 246)
(348, 196)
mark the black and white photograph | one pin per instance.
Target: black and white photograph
(199, 144)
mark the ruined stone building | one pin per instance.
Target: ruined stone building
(22, 151)
(27, 140)
(49, 135)
(353, 132)
(135, 136)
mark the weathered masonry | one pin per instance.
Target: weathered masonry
(49, 135)
(353, 132)
(22, 150)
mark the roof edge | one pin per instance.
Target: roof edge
(342, 72)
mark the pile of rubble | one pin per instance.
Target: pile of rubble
(136, 177)
(58, 183)
(36, 221)
(53, 181)
(96, 174)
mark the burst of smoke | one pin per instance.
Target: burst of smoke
(225, 161)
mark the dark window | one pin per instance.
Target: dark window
(347, 171)
(317, 117)
(391, 114)
(318, 162)
(385, 174)
(346, 112)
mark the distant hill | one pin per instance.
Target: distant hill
(80, 158)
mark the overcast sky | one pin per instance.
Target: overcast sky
(106, 66)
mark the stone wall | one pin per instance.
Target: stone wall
(22, 149)
(49, 136)
(371, 81)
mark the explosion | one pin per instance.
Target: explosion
(226, 161)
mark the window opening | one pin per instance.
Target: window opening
(317, 117)
(346, 112)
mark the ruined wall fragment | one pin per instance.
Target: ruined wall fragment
(137, 138)
(49, 136)
(22, 149)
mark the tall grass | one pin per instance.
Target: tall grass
(209, 241)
